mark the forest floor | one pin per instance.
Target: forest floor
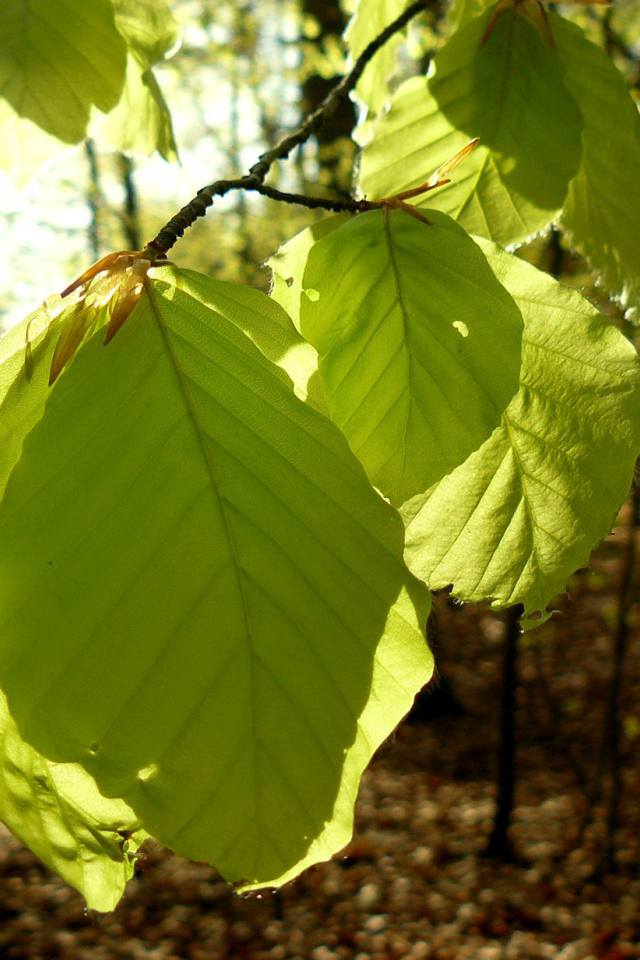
(413, 883)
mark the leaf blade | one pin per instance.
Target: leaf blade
(603, 204)
(510, 93)
(57, 811)
(59, 59)
(404, 317)
(211, 406)
(512, 523)
(368, 21)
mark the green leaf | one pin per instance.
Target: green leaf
(509, 93)
(57, 58)
(202, 599)
(24, 392)
(58, 812)
(460, 12)
(602, 209)
(287, 265)
(299, 358)
(419, 345)
(141, 122)
(514, 522)
(368, 21)
(148, 27)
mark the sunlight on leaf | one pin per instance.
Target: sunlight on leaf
(57, 58)
(602, 210)
(58, 812)
(510, 93)
(369, 19)
(179, 510)
(411, 395)
(514, 521)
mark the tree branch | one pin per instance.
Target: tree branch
(254, 180)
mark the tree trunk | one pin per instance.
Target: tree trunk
(499, 844)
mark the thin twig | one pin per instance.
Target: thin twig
(254, 180)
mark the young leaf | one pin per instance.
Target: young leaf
(149, 28)
(419, 345)
(368, 21)
(57, 58)
(510, 93)
(58, 812)
(141, 122)
(26, 355)
(602, 210)
(523, 512)
(203, 600)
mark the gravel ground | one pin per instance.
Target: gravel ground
(413, 883)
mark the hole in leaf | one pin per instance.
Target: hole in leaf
(94, 748)
(461, 327)
(289, 281)
(312, 294)
(148, 773)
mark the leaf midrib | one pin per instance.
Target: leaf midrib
(215, 483)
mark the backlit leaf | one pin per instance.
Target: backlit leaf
(58, 812)
(602, 210)
(148, 27)
(57, 58)
(510, 93)
(203, 601)
(24, 385)
(141, 122)
(524, 512)
(368, 21)
(419, 345)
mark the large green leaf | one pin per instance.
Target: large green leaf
(510, 93)
(602, 210)
(202, 600)
(368, 21)
(58, 812)
(57, 58)
(514, 522)
(419, 345)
